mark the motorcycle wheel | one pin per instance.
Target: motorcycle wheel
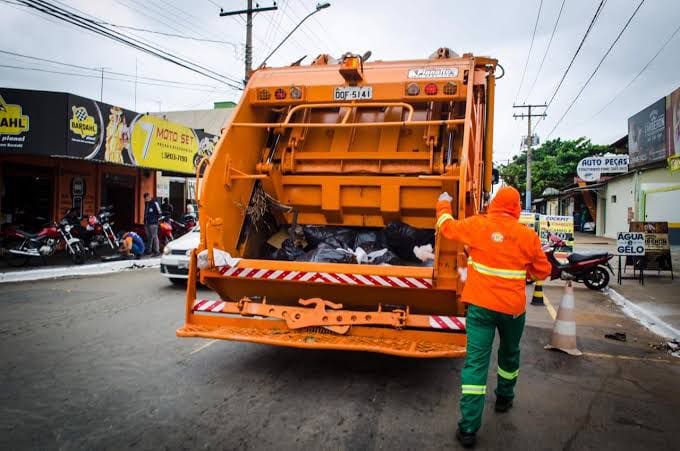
(597, 279)
(79, 253)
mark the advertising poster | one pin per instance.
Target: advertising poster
(657, 244)
(647, 135)
(166, 145)
(673, 129)
(562, 226)
(30, 122)
(103, 132)
(99, 131)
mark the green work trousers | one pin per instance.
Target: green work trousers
(481, 325)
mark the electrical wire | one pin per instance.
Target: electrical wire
(531, 46)
(174, 35)
(547, 49)
(578, 49)
(87, 24)
(98, 77)
(630, 19)
(95, 69)
(644, 68)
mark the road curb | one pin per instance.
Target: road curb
(646, 318)
(78, 271)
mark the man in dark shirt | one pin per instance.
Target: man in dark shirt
(152, 213)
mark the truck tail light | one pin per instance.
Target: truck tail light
(280, 94)
(431, 89)
(263, 94)
(450, 89)
(295, 93)
(412, 89)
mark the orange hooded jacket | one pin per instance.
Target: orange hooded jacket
(502, 252)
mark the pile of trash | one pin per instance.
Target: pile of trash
(672, 347)
(396, 244)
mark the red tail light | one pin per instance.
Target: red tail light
(280, 94)
(431, 89)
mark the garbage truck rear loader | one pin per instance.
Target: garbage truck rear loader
(343, 143)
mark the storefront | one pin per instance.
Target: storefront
(60, 151)
(650, 190)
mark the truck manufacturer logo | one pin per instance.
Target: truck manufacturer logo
(433, 72)
(82, 123)
(12, 121)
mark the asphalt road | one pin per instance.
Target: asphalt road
(94, 363)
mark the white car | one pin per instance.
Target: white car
(175, 258)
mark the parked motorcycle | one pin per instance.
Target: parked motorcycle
(182, 227)
(99, 231)
(45, 243)
(591, 269)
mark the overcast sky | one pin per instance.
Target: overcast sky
(395, 29)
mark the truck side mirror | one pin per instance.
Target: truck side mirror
(495, 176)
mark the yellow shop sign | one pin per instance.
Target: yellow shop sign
(160, 144)
(12, 121)
(82, 123)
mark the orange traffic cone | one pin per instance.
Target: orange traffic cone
(564, 330)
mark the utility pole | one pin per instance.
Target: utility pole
(249, 31)
(530, 139)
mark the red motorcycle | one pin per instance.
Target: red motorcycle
(98, 232)
(591, 269)
(45, 243)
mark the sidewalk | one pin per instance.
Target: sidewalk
(656, 304)
(56, 272)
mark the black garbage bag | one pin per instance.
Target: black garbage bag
(289, 251)
(402, 238)
(335, 237)
(325, 253)
(386, 258)
(370, 240)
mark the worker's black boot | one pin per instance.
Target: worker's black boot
(467, 439)
(503, 404)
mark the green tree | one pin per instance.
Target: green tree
(553, 164)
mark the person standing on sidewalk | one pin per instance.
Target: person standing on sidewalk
(502, 252)
(152, 213)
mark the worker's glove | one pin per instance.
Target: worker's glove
(424, 253)
(445, 196)
(462, 273)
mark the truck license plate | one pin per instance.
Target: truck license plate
(353, 93)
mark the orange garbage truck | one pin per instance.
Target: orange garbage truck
(343, 146)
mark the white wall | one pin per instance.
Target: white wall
(616, 213)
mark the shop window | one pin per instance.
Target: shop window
(613, 199)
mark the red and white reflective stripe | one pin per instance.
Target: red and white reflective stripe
(447, 322)
(205, 305)
(326, 277)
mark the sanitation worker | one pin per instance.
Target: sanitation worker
(502, 252)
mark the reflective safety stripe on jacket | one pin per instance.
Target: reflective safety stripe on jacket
(520, 274)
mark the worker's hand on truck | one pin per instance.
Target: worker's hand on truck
(445, 196)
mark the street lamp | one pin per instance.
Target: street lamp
(319, 7)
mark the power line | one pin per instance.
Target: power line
(598, 66)
(98, 77)
(174, 35)
(547, 49)
(76, 66)
(87, 24)
(531, 46)
(625, 88)
(578, 49)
